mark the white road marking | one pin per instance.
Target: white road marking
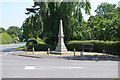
(75, 67)
(6, 54)
(50, 67)
(10, 52)
(29, 67)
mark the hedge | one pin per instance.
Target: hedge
(112, 47)
(38, 47)
(31, 42)
(38, 44)
(38, 40)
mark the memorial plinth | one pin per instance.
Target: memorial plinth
(61, 48)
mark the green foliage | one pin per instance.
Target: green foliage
(106, 26)
(38, 47)
(6, 38)
(31, 42)
(21, 48)
(15, 32)
(45, 22)
(16, 39)
(108, 46)
(32, 27)
(111, 47)
(78, 45)
(105, 8)
(40, 41)
(36, 43)
(82, 32)
(43, 25)
(13, 35)
(2, 30)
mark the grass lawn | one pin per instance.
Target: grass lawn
(77, 53)
(69, 54)
(21, 48)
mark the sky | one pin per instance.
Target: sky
(12, 12)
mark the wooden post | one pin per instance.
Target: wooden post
(103, 52)
(33, 50)
(107, 56)
(74, 51)
(48, 51)
(25, 49)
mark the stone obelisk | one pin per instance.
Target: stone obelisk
(60, 46)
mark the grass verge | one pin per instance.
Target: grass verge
(21, 48)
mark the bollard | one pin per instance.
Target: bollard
(25, 49)
(103, 52)
(74, 51)
(107, 56)
(33, 50)
(48, 51)
(13, 51)
(81, 54)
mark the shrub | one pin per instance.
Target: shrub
(40, 41)
(16, 39)
(6, 38)
(38, 44)
(38, 47)
(78, 45)
(112, 47)
(34, 41)
(31, 42)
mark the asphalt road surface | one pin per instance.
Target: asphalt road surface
(14, 66)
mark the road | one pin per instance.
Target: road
(14, 66)
(5, 50)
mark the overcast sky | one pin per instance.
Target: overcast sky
(12, 12)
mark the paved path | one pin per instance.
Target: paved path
(14, 66)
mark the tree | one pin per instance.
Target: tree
(2, 30)
(106, 26)
(5, 38)
(105, 8)
(51, 13)
(14, 31)
(32, 27)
